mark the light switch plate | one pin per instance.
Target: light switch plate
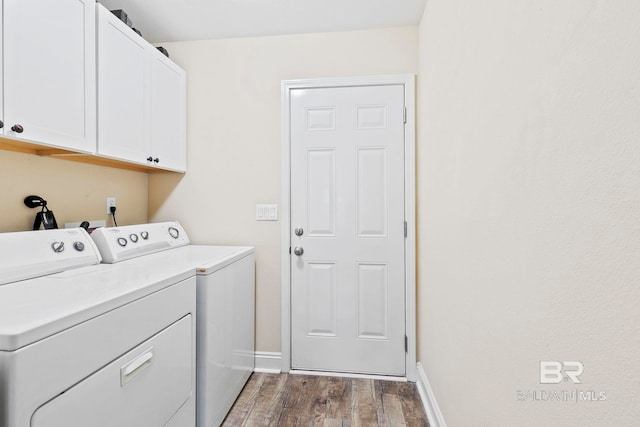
(266, 212)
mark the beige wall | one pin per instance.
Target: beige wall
(74, 191)
(234, 137)
(529, 207)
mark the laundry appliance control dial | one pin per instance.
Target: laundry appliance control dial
(57, 247)
(173, 232)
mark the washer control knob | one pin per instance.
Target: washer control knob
(78, 246)
(57, 247)
(173, 232)
(144, 235)
(122, 241)
(133, 237)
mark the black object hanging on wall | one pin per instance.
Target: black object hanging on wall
(45, 217)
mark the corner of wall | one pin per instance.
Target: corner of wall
(268, 362)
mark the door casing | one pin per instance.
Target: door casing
(408, 81)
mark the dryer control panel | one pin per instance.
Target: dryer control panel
(28, 254)
(121, 243)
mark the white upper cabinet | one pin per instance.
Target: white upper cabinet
(122, 91)
(168, 113)
(141, 99)
(49, 72)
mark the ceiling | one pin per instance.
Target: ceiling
(173, 20)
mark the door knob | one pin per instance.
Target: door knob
(299, 231)
(298, 250)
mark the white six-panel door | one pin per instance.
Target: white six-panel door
(347, 204)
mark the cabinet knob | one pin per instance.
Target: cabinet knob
(17, 128)
(156, 160)
(1, 124)
(149, 159)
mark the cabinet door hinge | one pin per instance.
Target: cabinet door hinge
(405, 229)
(406, 344)
(404, 115)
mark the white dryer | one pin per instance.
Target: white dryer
(225, 278)
(92, 345)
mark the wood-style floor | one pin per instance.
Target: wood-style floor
(303, 400)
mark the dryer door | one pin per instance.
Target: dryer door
(144, 387)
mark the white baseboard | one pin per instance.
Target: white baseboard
(431, 408)
(268, 362)
(348, 375)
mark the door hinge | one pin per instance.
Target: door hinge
(405, 230)
(289, 250)
(406, 344)
(404, 116)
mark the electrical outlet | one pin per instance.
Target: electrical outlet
(111, 201)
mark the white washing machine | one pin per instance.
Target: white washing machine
(225, 278)
(92, 345)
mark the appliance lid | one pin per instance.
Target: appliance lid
(29, 254)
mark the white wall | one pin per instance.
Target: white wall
(529, 207)
(234, 137)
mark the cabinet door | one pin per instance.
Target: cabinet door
(168, 112)
(122, 91)
(49, 72)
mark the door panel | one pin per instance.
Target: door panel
(347, 195)
(321, 304)
(321, 182)
(373, 288)
(371, 192)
